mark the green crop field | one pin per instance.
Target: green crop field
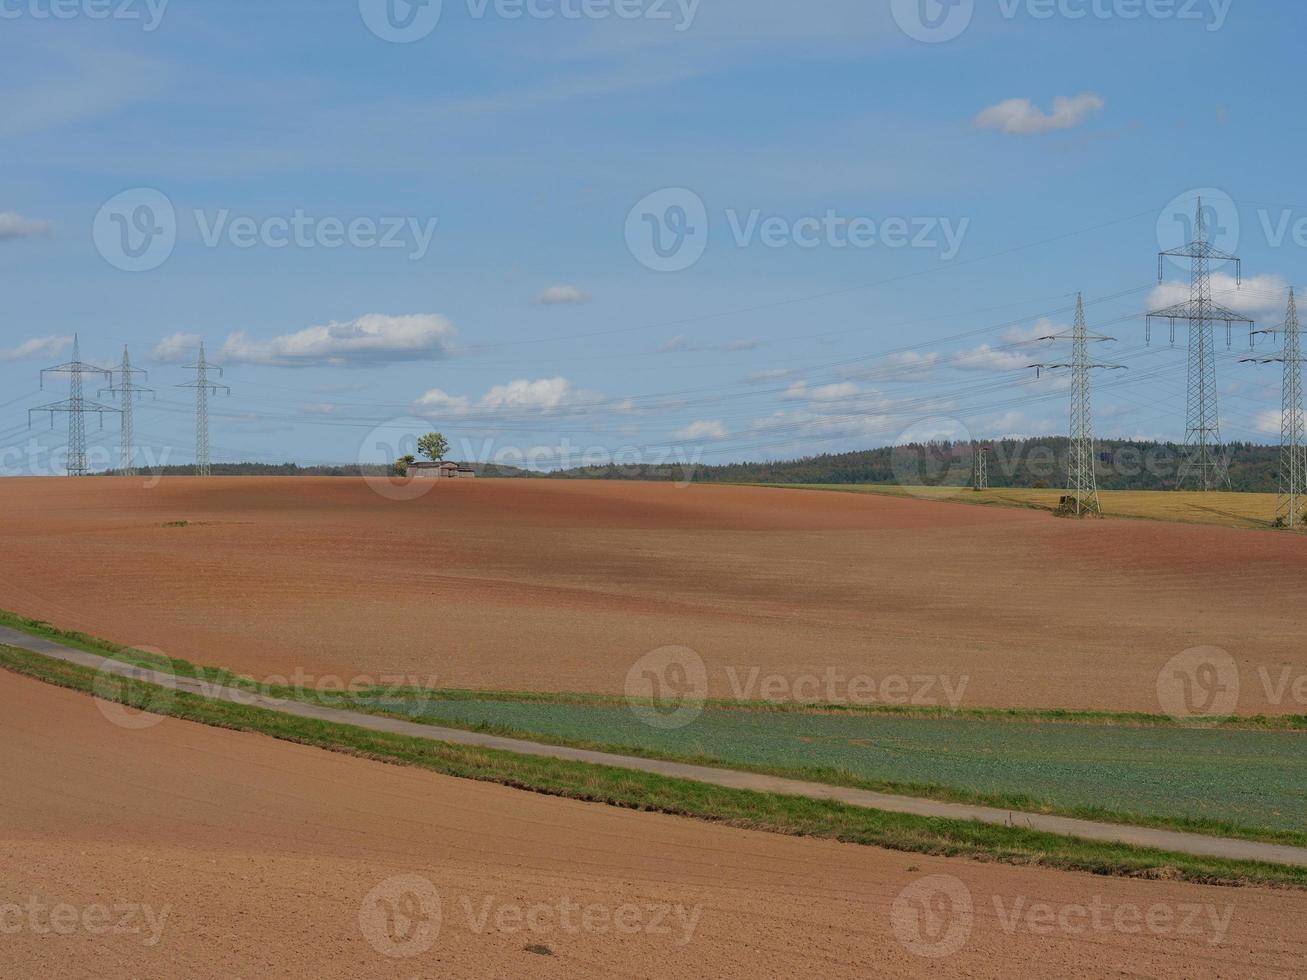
(1251, 779)
(1240, 779)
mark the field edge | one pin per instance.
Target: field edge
(791, 815)
(359, 702)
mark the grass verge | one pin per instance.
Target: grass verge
(218, 675)
(383, 703)
(795, 816)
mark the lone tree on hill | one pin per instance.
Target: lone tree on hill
(433, 446)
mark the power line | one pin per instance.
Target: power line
(1291, 500)
(1082, 481)
(126, 391)
(203, 388)
(75, 405)
(980, 464)
(1204, 461)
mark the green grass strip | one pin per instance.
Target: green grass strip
(1019, 802)
(797, 816)
(1138, 719)
(379, 702)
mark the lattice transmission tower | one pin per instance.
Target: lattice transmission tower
(127, 391)
(1204, 463)
(1082, 481)
(980, 468)
(1291, 505)
(203, 389)
(75, 405)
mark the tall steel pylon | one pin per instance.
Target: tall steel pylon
(126, 390)
(1204, 463)
(203, 388)
(980, 471)
(1082, 481)
(1291, 505)
(75, 405)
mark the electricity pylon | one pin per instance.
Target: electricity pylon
(980, 472)
(1082, 482)
(1204, 463)
(76, 406)
(203, 388)
(1291, 505)
(126, 390)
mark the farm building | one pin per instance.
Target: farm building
(439, 471)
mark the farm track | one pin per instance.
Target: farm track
(1182, 843)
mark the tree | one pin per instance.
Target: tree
(433, 446)
(403, 463)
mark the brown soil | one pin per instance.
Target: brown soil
(550, 585)
(257, 857)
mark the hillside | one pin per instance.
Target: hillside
(1019, 463)
(1037, 463)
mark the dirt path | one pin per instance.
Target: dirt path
(258, 857)
(1142, 836)
(561, 585)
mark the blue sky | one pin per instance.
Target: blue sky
(871, 227)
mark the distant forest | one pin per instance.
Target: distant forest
(295, 469)
(1032, 463)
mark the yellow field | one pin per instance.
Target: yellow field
(1247, 510)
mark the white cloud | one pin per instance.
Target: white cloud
(987, 358)
(563, 295)
(1043, 327)
(1270, 421)
(845, 411)
(544, 395)
(799, 391)
(36, 347)
(374, 338)
(441, 401)
(808, 424)
(177, 348)
(911, 365)
(1258, 296)
(1016, 424)
(1019, 350)
(1021, 117)
(318, 408)
(16, 226)
(704, 429)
